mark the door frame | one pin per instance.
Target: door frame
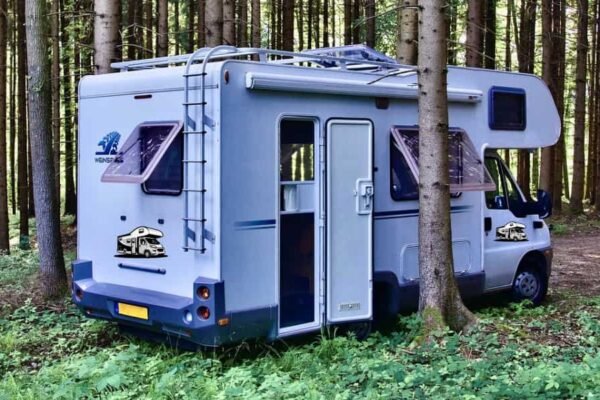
(318, 257)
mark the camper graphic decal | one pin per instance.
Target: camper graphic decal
(511, 232)
(141, 242)
(109, 145)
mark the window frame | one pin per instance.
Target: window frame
(142, 177)
(493, 122)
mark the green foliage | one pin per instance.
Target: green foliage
(515, 352)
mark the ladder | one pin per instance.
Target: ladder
(193, 129)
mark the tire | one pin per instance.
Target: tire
(530, 284)
(147, 254)
(361, 330)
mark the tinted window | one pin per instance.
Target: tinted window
(495, 199)
(167, 177)
(297, 150)
(403, 184)
(507, 109)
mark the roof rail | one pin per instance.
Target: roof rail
(322, 57)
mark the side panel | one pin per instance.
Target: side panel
(349, 220)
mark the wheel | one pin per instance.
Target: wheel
(530, 284)
(147, 254)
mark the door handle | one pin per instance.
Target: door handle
(364, 196)
(487, 224)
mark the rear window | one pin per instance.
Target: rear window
(144, 151)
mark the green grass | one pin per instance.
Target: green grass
(516, 351)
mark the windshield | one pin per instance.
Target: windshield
(152, 241)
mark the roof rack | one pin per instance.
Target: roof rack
(345, 57)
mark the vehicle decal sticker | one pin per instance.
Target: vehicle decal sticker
(511, 232)
(109, 145)
(141, 242)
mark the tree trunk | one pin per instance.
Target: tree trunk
(592, 122)
(138, 31)
(300, 24)
(452, 32)
(310, 24)
(475, 24)
(22, 170)
(440, 303)
(347, 22)
(256, 28)
(229, 22)
(214, 22)
(243, 23)
(106, 34)
(202, 23)
(507, 41)
(546, 178)
(316, 22)
(149, 26)
(559, 42)
(162, 41)
(176, 28)
(13, 110)
(370, 12)
(288, 25)
(406, 44)
(55, 29)
(52, 268)
(576, 202)
(326, 22)
(69, 189)
(490, 34)
(131, 29)
(356, 14)
(4, 235)
(190, 20)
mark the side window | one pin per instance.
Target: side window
(167, 177)
(403, 184)
(507, 109)
(495, 199)
(297, 151)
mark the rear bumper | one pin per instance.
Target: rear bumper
(169, 315)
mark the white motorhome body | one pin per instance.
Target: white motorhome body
(286, 194)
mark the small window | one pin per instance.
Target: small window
(167, 177)
(495, 199)
(142, 153)
(507, 109)
(297, 150)
(466, 170)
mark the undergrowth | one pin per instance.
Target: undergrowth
(515, 352)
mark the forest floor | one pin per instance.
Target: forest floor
(516, 351)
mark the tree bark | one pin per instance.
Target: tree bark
(347, 22)
(131, 29)
(490, 34)
(547, 167)
(507, 40)
(559, 42)
(370, 12)
(326, 22)
(300, 24)
(162, 41)
(13, 110)
(288, 25)
(106, 34)
(4, 235)
(440, 303)
(149, 26)
(356, 14)
(55, 36)
(229, 22)
(202, 23)
(214, 22)
(22, 170)
(576, 202)
(69, 189)
(243, 23)
(52, 268)
(406, 43)
(475, 24)
(256, 28)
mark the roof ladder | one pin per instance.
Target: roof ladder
(192, 129)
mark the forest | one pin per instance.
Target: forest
(512, 350)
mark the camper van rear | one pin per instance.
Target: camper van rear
(263, 199)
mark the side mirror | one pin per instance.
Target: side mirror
(544, 204)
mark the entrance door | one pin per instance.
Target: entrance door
(349, 193)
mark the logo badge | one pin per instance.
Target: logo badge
(109, 144)
(511, 232)
(141, 242)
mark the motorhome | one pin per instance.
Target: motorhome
(285, 188)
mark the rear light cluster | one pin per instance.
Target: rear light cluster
(204, 294)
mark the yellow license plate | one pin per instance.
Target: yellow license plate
(130, 310)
